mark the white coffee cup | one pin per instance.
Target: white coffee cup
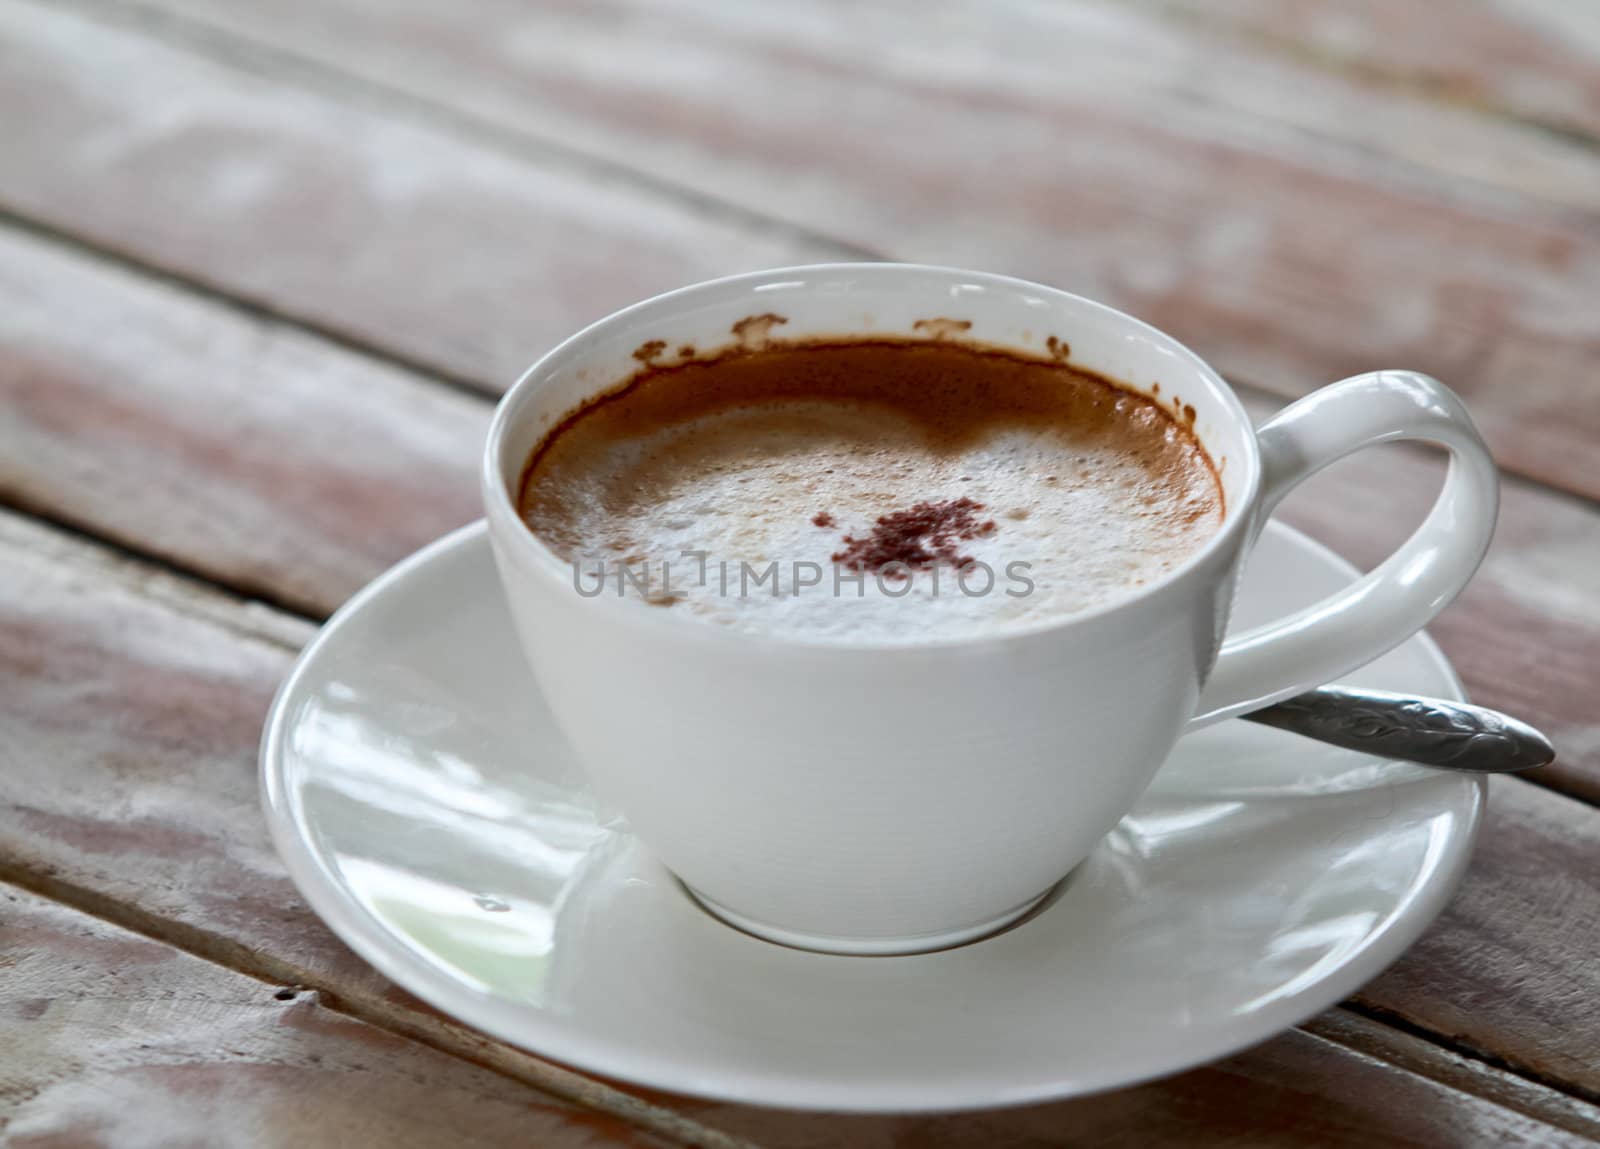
(891, 798)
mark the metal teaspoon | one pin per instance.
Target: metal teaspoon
(1430, 731)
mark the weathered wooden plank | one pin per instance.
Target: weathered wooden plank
(1221, 77)
(115, 1039)
(261, 456)
(1389, 1044)
(130, 728)
(1534, 60)
(267, 459)
(1297, 1090)
(1498, 977)
(1288, 259)
(470, 258)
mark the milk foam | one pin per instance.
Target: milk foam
(734, 512)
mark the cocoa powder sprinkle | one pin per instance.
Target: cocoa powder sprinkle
(918, 538)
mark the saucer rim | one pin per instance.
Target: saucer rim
(567, 1045)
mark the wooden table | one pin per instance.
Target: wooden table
(264, 267)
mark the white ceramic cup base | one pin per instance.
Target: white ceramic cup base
(869, 947)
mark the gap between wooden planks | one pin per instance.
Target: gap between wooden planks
(142, 693)
(1290, 258)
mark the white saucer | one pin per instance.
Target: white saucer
(433, 817)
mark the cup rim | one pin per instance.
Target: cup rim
(504, 520)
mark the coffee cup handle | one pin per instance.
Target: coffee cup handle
(1392, 602)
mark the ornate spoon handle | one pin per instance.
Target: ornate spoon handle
(1431, 731)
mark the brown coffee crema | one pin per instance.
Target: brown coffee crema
(871, 489)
